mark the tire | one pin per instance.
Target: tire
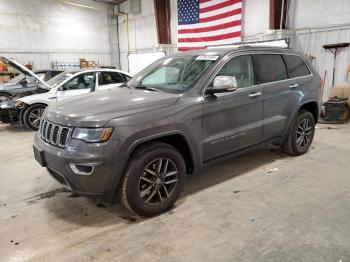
(32, 115)
(138, 185)
(301, 134)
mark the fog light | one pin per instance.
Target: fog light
(82, 169)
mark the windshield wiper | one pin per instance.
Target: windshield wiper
(146, 88)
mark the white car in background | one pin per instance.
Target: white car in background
(28, 109)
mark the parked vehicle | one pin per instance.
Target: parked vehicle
(25, 84)
(177, 115)
(28, 110)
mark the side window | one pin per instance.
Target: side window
(55, 73)
(82, 81)
(240, 67)
(296, 66)
(269, 68)
(107, 78)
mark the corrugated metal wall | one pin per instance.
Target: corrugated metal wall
(310, 42)
(44, 31)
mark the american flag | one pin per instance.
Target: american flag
(203, 23)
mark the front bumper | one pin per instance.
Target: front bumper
(58, 161)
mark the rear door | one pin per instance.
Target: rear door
(233, 120)
(281, 95)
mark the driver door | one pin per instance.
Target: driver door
(233, 120)
(79, 85)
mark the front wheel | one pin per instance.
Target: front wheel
(32, 116)
(153, 180)
(300, 135)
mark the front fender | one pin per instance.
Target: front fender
(129, 145)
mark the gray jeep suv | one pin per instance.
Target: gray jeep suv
(180, 113)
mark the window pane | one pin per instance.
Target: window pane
(173, 74)
(241, 68)
(296, 66)
(269, 68)
(41, 76)
(165, 75)
(80, 82)
(107, 78)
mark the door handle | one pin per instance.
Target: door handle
(255, 94)
(293, 86)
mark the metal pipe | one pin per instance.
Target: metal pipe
(282, 11)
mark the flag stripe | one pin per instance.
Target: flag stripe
(210, 38)
(220, 11)
(218, 6)
(211, 33)
(204, 1)
(210, 3)
(220, 16)
(210, 28)
(191, 48)
(212, 23)
(212, 43)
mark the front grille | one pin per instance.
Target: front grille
(54, 134)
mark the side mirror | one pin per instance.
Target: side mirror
(222, 84)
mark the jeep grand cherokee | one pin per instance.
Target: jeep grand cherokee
(139, 141)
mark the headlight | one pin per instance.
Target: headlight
(7, 104)
(93, 135)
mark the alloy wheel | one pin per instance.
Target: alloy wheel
(34, 117)
(304, 133)
(158, 181)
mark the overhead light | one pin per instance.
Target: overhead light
(80, 5)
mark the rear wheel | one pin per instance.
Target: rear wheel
(32, 116)
(300, 135)
(153, 180)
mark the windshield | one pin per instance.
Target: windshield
(173, 74)
(16, 78)
(55, 81)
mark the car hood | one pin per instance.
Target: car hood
(96, 109)
(23, 69)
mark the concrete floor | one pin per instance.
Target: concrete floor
(233, 211)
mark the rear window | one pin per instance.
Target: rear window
(269, 68)
(296, 66)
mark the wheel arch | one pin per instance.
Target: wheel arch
(309, 105)
(22, 112)
(312, 107)
(176, 139)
